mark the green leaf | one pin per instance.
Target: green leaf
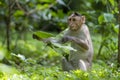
(61, 2)
(41, 7)
(42, 35)
(108, 17)
(63, 47)
(112, 2)
(116, 29)
(101, 19)
(19, 13)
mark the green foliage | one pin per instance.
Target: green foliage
(7, 69)
(36, 72)
(106, 17)
(42, 35)
(46, 65)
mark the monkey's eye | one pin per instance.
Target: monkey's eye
(69, 19)
(74, 19)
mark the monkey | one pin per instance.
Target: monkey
(79, 36)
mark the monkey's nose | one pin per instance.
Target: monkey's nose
(72, 25)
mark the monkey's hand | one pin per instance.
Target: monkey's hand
(49, 41)
(67, 38)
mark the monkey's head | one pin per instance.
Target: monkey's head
(75, 21)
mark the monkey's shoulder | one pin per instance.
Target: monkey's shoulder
(84, 28)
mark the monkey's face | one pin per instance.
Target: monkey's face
(75, 22)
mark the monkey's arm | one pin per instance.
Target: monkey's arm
(83, 43)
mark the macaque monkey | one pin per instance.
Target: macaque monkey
(79, 36)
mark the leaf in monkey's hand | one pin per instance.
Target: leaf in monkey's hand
(41, 35)
(63, 46)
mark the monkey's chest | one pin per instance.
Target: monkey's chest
(79, 34)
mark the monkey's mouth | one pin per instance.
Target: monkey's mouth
(73, 27)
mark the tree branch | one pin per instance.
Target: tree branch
(119, 34)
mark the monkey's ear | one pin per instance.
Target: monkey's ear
(83, 19)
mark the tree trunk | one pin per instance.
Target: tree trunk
(8, 26)
(119, 34)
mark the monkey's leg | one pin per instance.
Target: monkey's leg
(66, 65)
(82, 65)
